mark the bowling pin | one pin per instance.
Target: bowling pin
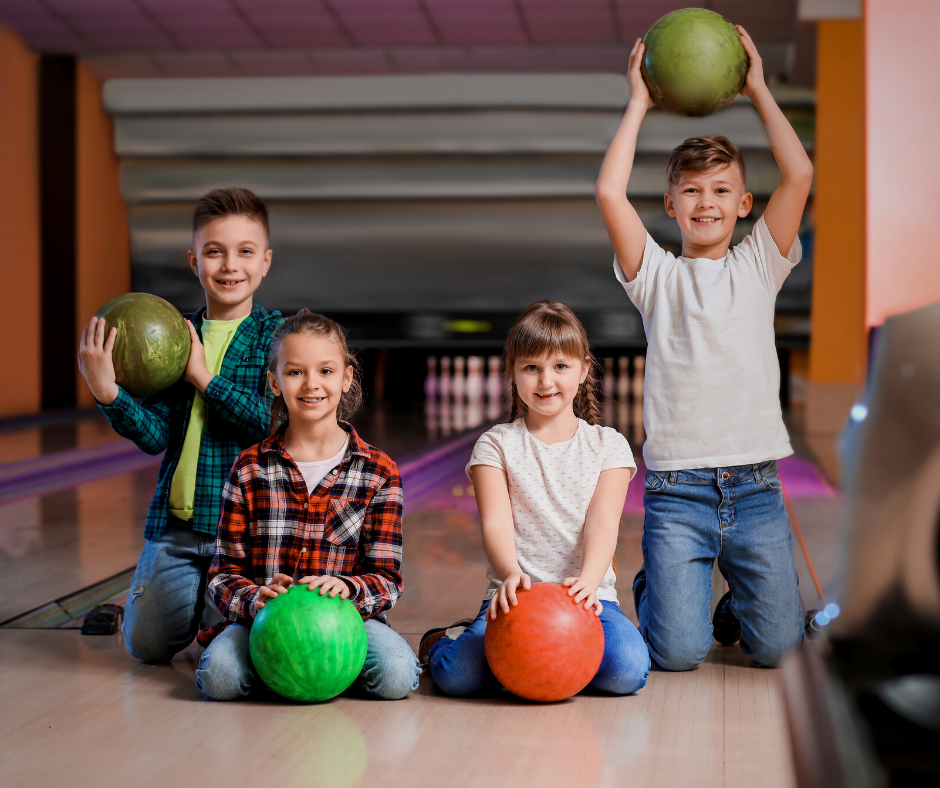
(430, 398)
(639, 368)
(623, 394)
(459, 415)
(623, 379)
(443, 381)
(430, 386)
(458, 388)
(475, 387)
(494, 388)
(444, 417)
(474, 379)
(623, 418)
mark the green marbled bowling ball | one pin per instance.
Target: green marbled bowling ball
(151, 348)
(695, 63)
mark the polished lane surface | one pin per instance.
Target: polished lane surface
(82, 707)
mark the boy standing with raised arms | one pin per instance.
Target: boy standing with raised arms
(203, 422)
(711, 406)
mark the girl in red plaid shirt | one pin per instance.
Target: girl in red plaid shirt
(312, 504)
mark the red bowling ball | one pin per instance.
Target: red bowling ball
(546, 648)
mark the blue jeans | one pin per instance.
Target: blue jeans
(737, 516)
(459, 667)
(166, 601)
(391, 670)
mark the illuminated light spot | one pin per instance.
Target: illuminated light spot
(858, 413)
(821, 618)
(832, 610)
(457, 490)
(468, 326)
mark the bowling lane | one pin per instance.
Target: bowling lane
(29, 438)
(85, 704)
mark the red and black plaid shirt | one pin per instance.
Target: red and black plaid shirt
(349, 527)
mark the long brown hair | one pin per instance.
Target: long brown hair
(307, 322)
(552, 327)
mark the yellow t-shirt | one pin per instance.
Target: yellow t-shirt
(216, 337)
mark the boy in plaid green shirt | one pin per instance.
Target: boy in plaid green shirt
(220, 407)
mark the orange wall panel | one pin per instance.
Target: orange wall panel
(20, 280)
(838, 347)
(102, 265)
(903, 116)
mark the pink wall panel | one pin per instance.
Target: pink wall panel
(903, 169)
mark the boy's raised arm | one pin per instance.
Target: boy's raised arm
(785, 209)
(626, 231)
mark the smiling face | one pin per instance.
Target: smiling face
(311, 376)
(706, 206)
(548, 384)
(231, 257)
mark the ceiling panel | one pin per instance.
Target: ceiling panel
(272, 63)
(223, 32)
(378, 36)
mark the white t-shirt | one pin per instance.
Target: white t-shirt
(315, 472)
(550, 489)
(711, 396)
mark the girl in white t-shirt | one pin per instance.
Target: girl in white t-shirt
(550, 487)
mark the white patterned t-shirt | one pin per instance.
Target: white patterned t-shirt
(550, 490)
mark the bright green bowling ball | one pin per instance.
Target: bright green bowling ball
(695, 63)
(152, 344)
(308, 647)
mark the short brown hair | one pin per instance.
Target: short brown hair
(552, 327)
(698, 154)
(233, 201)
(312, 324)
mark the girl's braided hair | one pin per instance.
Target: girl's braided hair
(548, 327)
(307, 322)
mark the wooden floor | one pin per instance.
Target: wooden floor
(82, 711)
(79, 710)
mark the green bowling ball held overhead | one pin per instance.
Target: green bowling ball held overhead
(695, 63)
(151, 344)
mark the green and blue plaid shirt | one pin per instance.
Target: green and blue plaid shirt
(238, 415)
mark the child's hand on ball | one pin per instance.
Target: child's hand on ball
(755, 71)
(94, 360)
(583, 591)
(327, 585)
(638, 89)
(506, 593)
(196, 371)
(278, 585)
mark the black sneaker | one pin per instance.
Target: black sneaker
(103, 620)
(727, 628)
(432, 636)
